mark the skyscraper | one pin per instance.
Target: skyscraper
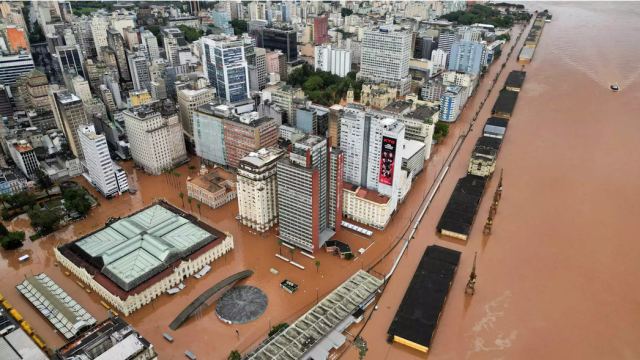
(98, 163)
(450, 103)
(385, 56)
(188, 101)
(71, 115)
(139, 67)
(305, 193)
(226, 67)
(116, 43)
(172, 38)
(446, 38)
(335, 61)
(320, 30)
(284, 40)
(149, 45)
(466, 57)
(12, 66)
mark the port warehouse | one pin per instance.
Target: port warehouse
(532, 40)
(459, 214)
(416, 320)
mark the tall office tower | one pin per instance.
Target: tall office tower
(466, 57)
(286, 12)
(258, 72)
(24, 156)
(149, 45)
(70, 59)
(372, 144)
(333, 133)
(227, 69)
(80, 87)
(222, 19)
(439, 59)
(84, 37)
(257, 188)
(336, 179)
(99, 26)
(321, 30)
(312, 119)
(131, 38)
(172, 38)
(446, 38)
(156, 140)
(208, 133)
(284, 40)
(5, 102)
(139, 67)
(467, 33)
(12, 66)
(304, 194)
(249, 48)
(98, 163)
(335, 61)
(190, 100)
(385, 56)
(71, 115)
(450, 103)
(33, 90)
(116, 43)
(424, 47)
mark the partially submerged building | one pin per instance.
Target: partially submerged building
(113, 338)
(484, 156)
(416, 320)
(458, 216)
(213, 188)
(133, 260)
(495, 127)
(506, 102)
(320, 330)
(515, 80)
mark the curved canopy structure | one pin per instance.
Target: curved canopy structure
(206, 295)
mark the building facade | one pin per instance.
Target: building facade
(226, 67)
(70, 114)
(188, 101)
(98, 163)
(335, 61)
(385, 56)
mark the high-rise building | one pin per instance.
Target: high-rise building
(321, 30)
(335, 61)
(246, 133)
(99, 26)
(139, 67)
(172, 38)
(71, 115)
(80, 87)
(386, 51)
(424, 47)
(12, 66)
(222, 19)
(116, 43)
(33, 90)
(433, 89)
(188, 101)
(208, 133)
(84, 37)
(131, 38)
(284, 40)
(70, 59)
(333, 133)
(149, 44)
(466, 57)
(24, 156)
(257, 188)
(439, 59)
(226, 67)
(446, 38)
(156, 140)
(450, 103)
(258, 72)
(372, 144)
(16, 38)
(98, 163)
(284, 96)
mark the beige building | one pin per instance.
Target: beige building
(366, 206)
(213, 188)
(377, 95)
(134, 260)
(257, 189)
(188, 101)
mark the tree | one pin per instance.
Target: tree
(199, 205)
(12, 240)
(189, 200)
(280, 242)
(181, 196)
(21, 200)
(361, 344)
(190, 34)
(315, 82)
(44, 220)
(234, 355)
(346, 12)
(441, 131)
(277, 328)
(44, 181)
(75, 199)
(317, 265)
(239, 26)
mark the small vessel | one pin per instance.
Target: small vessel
(615, 87)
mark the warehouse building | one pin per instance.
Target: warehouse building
(495, 127)
(506, 102)
(458, 216)
(133, 260)
(484, 156)
(415, 323)
(515, 80)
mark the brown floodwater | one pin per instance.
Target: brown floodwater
(558, 275)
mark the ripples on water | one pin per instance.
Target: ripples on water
(600, 39)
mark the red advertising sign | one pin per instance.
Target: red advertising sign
(387, 160)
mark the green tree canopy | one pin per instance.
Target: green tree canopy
(190, 34)
(12, 240)
(75, 199)
(239, 26)
(44, 219)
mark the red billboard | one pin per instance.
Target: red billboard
(387, 160)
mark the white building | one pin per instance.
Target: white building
(223, 57)
(439, 59)
(366, 206)
(156, 141)
(257, 189)
(190, 100)
(81, 88)
(99, 165)
(150, 45)
(139, 68)
(335, 61)
(385, 56)
(99, 26)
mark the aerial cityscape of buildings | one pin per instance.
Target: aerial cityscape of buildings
(253, 141)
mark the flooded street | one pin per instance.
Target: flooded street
(557, 278)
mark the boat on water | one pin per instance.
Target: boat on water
(615, 87)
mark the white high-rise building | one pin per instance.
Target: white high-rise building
(150, 45)
(372, 144)
(172, 39)
(156, 141)
(226, 67)
(386, 51)
(139, 68)
(257, 188)
(81, 88)
(439, 59)
(98, 163)
(99, 26)
(335, 61)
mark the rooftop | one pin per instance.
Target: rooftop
(460, 212)
(262, 157)
(506, 102)
(217, 179)
(412, 147)
(366, 194)
(135, 251)
(515, 79)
